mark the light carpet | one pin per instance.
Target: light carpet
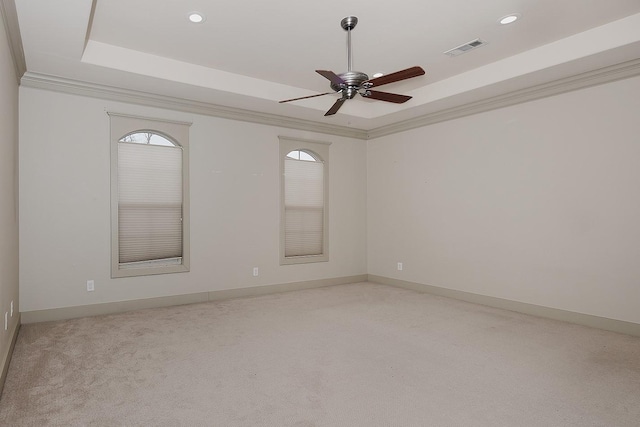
(350, 355)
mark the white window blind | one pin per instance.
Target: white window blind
(149, 202)
(303, 207)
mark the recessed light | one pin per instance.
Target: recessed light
(378, 75)
(509, 18)
(196, 17)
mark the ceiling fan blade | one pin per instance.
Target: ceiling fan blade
(305, 97)
(336, 106)
(395, 77)
(386, 96)
(331, 76)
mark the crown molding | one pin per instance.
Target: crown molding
(579, 81)
(75, 87)
(10, 20)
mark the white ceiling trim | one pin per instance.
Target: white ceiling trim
(132, 61)
(592, 78)
(579, 81)
(10, 19)
(74, 87)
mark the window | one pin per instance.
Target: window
(304, 202)
(149, 196)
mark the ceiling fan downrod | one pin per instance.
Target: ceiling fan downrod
(348, 24)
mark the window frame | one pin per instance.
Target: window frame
(320, 150)
(176, 132)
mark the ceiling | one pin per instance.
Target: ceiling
(250, 55)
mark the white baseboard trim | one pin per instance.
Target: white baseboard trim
(619, 326)
(6, 357)
(37, 316)
(64, 313)
(284, 287)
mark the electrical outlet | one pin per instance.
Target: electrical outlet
(90, 285)
(255, 271)
(399, 266)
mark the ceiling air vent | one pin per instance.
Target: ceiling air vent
(474, 44)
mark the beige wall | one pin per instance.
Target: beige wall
(537, 203)
(64, 215)
(8, 193)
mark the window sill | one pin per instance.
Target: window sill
(304, 259)
(148, 271)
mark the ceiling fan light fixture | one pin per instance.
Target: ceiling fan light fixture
(378, 75)
(196, 17)
(509, 19)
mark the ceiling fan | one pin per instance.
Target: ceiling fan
(352, 82)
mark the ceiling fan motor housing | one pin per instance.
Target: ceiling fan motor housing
(353, 80)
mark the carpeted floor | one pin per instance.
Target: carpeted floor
(350, 355)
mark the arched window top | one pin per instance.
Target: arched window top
(148, 137)
(306, 155)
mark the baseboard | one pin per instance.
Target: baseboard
(64, 313)
(284, 287)
(619, 326)
(6, 358)
(37, 316)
